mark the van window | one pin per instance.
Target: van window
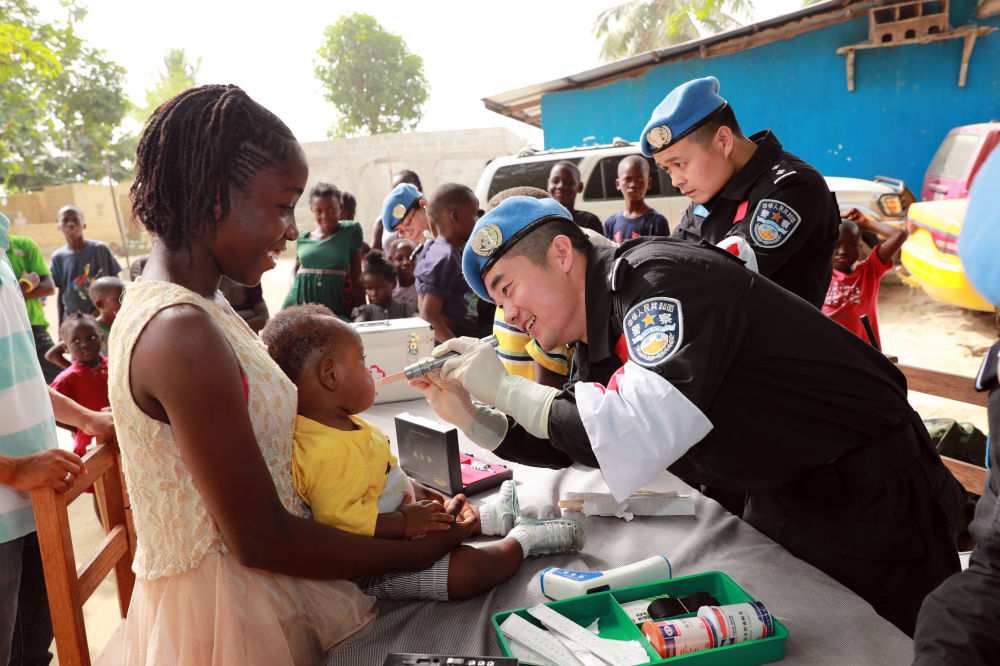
(525, 174)
(953, 159)
(601, 184)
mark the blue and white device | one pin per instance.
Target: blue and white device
(565, 583)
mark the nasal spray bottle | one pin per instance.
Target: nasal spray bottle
(565, 583)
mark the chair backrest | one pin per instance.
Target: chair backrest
(69, 587)
(961, 389)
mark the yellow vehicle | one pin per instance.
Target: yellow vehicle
(930, 254)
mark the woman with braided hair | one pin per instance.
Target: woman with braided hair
(229, 568)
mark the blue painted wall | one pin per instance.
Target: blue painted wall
(905, 99)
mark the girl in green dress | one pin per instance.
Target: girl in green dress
(328, 258)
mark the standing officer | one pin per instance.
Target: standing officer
(958, 622)
(685, 359)
(747, 189)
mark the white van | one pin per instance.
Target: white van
(883, 198)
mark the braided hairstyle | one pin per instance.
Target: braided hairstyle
(376, 264)
(192, 149)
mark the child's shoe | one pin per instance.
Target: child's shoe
(498, 517)
(547, 537)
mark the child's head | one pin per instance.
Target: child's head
(82, 337)
(216, 173)
(848, 248)
(401, 256)
(407, 176)
(323, 356)
(70, 222)
(106, 295)
(453, 210)
(633, 178)
(136, 267)
(378, 277)
(348, 206)
(565, 183)
(324, 202)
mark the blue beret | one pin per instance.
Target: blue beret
(680, 113)
(499, 230)
(399, 202)
(979, 241)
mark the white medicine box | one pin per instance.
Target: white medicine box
(390, 346)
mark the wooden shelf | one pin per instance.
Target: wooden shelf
(969, 33)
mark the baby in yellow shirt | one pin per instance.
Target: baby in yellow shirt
(343, 468)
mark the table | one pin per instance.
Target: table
(827, 623)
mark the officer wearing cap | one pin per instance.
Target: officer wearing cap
(958, 621)
(746, 193)
(686, 360)
(403, 213)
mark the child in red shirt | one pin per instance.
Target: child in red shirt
(854, 285)
(86, 378)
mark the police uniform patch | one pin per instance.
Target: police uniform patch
(487, 240)
(773, 223)
(653, 330)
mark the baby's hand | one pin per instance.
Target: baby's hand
(423, 517)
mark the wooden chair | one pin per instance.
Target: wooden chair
(952, 387)
(69, 587)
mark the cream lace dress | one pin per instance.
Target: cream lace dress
(194, 603)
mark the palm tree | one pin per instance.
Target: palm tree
(638, 26)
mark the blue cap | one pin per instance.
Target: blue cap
(979, 241)
(399, 202)
(680, 113)
(499, 230)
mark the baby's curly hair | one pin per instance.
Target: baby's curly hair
(296, 332)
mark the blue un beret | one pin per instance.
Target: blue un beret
(979, 241)
(680, 113)
(499, 230)
(399, 202)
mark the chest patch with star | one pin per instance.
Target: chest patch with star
(773, 223)
(653, 330)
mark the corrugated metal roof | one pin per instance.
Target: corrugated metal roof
(525, 104)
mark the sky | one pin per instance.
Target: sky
(471, 49)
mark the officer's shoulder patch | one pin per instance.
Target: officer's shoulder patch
(654, 329)
(773, 222)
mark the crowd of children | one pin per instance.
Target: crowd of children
(341, 466)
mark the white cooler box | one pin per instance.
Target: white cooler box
(390, 346)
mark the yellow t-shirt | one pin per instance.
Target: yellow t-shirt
(518, 352)
(340, 474)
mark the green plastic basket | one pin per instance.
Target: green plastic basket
(613, 622)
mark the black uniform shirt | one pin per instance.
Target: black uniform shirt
(792, 396)
(782, 207)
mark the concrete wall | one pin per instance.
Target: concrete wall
(33, 214)
(364, 166)
(905, 100)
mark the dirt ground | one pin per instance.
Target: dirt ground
(918, 330)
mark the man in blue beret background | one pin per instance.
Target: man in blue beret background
(684, 359)
(958, 622)
(744, 191)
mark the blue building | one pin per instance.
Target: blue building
(786, 74)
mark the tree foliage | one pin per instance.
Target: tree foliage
(370, 77)
(638, 26)
(178, 75)
(61, 102)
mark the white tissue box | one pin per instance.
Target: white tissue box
(390, 346)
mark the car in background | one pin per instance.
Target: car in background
(883, 199)
(930, 254)
(957, 161)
